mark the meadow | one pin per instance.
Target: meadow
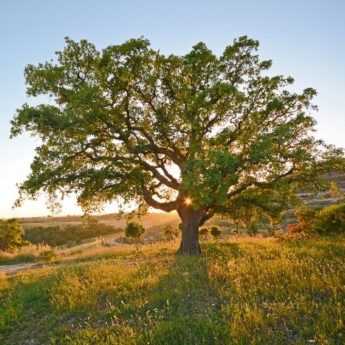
(55, 237)
(242, 290)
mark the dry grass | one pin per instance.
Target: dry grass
(28, 253)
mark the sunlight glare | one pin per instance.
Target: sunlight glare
(188, 201)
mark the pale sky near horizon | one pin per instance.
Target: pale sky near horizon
(305, 39)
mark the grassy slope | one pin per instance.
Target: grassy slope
(245, 291)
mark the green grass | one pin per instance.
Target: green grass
(242, 291)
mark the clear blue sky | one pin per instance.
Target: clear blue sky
(305, 39)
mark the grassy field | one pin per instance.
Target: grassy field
(241, 291)
(55, 235)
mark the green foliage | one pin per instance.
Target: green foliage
(89, 221)
(215, 232)
(331, 220)
(334, 191)
(123, 117)
(306, 217)
(69, 234)
(134, 230)
(11, 234)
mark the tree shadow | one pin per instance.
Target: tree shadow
(186, 307)
(24, 309)
(166, 300)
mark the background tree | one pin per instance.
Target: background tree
(194, 133)
(11, 234)
(215, 232)
(134, 230)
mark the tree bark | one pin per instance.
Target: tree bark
(191, 220)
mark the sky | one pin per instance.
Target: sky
(305, 39)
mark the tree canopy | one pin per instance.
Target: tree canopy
(197, 133)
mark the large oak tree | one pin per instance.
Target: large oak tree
(198, 133)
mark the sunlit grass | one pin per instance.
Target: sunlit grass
(242, 291)
(27, 253)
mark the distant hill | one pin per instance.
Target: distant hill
(149, 220)
(325, 198)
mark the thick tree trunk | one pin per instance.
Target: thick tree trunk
(191, 221)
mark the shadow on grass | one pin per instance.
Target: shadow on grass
(24, 313)
(184, 307)
(165, 300)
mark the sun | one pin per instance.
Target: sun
(188, 201)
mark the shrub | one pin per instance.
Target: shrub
(203, 232)
(134, 230)
(170, 233)
(215, 232)
(11, 234)
(47, 255)
(331, 220)
(253, 229)
(70, 234)
(305, 221)
(89, 221)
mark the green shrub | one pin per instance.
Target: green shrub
(215, 232)
(305, 221)
(134, 230)
(70, 234)
(331, 220)
(11, 234)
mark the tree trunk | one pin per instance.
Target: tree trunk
(191, 221)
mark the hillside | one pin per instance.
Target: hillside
(116, 220)
(72, 230)
(242, 291)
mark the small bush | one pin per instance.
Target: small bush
(134, 230)
(170, 233)
(11, 235)
(203, 232)
(305, 222)
(215, 232)
(47, 255)
(331, 220)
